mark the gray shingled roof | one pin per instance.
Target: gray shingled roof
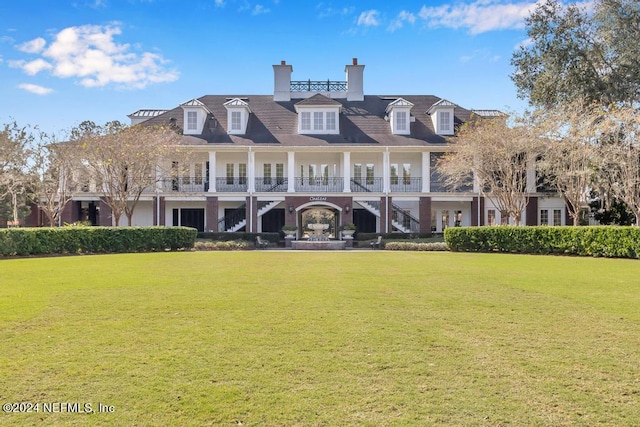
(275, 123)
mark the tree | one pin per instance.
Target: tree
(52, 185)
(14, 142)
(579, 55)
(569, 158)
(619, 128)
(126, 161)
(497, 156)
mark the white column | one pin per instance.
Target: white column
(426, 172)
(531, 173)
(291, 172)
(251, 173)
(386, 172)
(212, 171)
(346, 171)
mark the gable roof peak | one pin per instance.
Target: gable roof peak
(317, 100)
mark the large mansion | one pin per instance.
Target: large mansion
(315, 151)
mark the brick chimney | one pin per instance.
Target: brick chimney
(355, 81)
(282, 81)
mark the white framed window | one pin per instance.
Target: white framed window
(192, 120)
(305, 120)
(318, 120)
(401, 120)
(236, 120)
(491, 217)
(331, 120)
(370, 173)
(444, 121)
(394, 174)
(557, 217)
(406, 173)
(544, 217)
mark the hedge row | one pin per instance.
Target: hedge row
(598, 241)
(71, 240)
(413, 246)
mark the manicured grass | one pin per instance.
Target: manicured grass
(351, 338)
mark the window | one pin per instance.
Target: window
(242, 173)
(445, 219)
(280, 173)
(406, 173)
(357, 172)
(557, 217)
(305, 120)
(444, 121)
(317, 120)
(324, 169)
(544, 217)
(401, 120)
(230, 176)
(331, 120)
(312, 174)
(198, 174)
(266, 173)
(491, 217)
(192, 120)
(236, 120)
(394, 174)
(457, 218)
(370, 174)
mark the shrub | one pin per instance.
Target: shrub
(228, 245)
(79, 239)
(597, 241)
(413, 246)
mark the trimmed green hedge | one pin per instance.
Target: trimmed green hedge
(598, 241)
(416, 246)
(72, 240)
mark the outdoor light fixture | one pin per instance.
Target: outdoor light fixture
(347, 208)
(290, 209)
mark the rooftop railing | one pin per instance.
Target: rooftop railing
(318, 86)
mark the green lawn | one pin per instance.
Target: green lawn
(321, 339)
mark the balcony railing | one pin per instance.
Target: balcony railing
(318, 86)
(231, 184)
(271, 185)
(326, 185)
(405, 185)
(183, 185)
(366, 185)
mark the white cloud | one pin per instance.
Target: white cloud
(90, 54)
(34, 67)
(38, 90)
(403, 17)
(33, 46)
(479, 16)
(219, 3)
(259, 10)
(369, 18)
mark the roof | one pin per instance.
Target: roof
(146, 113)
(488, 113)
(272, 123)
(442, 103)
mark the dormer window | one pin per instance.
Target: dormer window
(442, 116)
(195, 114)
(236, 121)
(237, 116)
(192, 120)
(444, 121)
(318, 115)
(399, 115)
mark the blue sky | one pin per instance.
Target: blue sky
(66, 61)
